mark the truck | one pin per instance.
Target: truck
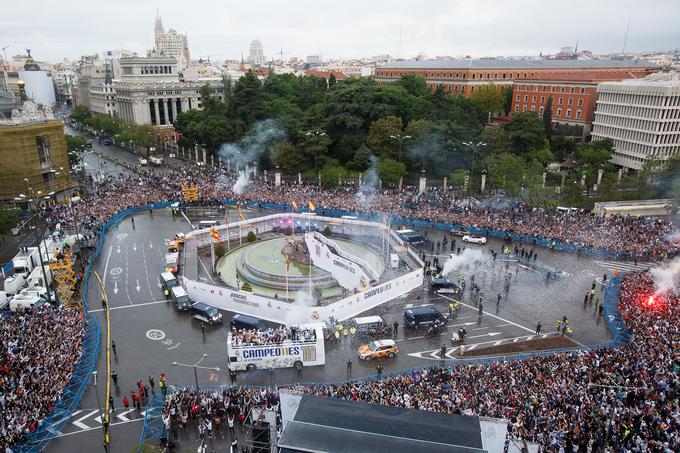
(156, 161)
(37, 277)
(295, 352)
(22, 266)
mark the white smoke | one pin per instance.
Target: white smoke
(364, 197)
(667, 276)
(467, 259)
(262, 136)
(241, 183)
(302, 299)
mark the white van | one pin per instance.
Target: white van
(156, 161)
(26, 302)
(143, 161)
(394, 260)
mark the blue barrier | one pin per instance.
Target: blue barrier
(154, 429)
(70, 397)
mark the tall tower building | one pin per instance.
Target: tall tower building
(171, 43)
(256, 56)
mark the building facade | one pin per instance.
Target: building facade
(641, 117)
(256, 55)
(150, 90)
(573, 96)
(34, 155)
(171, 43)
(465, 76)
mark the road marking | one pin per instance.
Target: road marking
(106, 266)
(134, 246)
(150, 245)
(79, 423)
(206, 270)
(97, 427)
(138, 287)
(176, 346)
(115, 287)
(490, 314)
(118, 248)
(490, 334)
(155, 334)
(187, 219)
(131, 306)
(123, 417)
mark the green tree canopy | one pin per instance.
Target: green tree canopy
(390, 171)
(380, 134)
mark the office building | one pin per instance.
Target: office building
(171, 43)
(641, 117)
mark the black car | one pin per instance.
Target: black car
(245, 322)
(206, 313)
(423, 317)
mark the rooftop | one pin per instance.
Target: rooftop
(517, 64)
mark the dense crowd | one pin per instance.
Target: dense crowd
(627, 399)
(38, 353)
(631, 237)
(248, 337)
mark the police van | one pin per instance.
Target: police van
(296, 353)
(410, 237)
(168, 281)
(180, 298)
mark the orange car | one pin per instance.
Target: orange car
(378, 349)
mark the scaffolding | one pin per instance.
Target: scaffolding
(260, 430)
(65, 279)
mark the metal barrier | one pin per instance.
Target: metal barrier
(154, 429)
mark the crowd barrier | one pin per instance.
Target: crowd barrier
(69, 400)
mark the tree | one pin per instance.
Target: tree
(414, 85)
(290, 159)
(331, 81)
(8, 218)
(247, 103)
(75, 145)
(547, 116)
(331, 174)
(251, 236)
(362, 159)
(146, 136)
(80, 114)
(487, 99)
(391, 171)
(593, 156)
(497, 141)
(507, 171)
(527, 132)
(457, 178)
(219, 250)
(380, 134)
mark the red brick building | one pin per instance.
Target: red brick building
(466, 76)
(574, 96)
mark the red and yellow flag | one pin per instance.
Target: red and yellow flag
(240, 214)
(294, 205)
(287, 263)
(311, 207)
(214, 234)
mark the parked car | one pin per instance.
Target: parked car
(474, 239)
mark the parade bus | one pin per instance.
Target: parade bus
(296, 353)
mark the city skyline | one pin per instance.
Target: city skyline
(447, 28)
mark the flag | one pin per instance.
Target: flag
(287, 264)
(294, 205)
(214, 234)
(226, 215)
(311, 207)
(240, 215)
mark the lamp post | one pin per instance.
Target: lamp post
(195, 367)
(400, 139)
(101, 415)
(316, 135)
(473, 146)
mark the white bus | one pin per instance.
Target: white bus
(296, 353)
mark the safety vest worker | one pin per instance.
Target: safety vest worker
(337, 334)
(352, 330)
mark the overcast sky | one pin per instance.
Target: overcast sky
(345, 28)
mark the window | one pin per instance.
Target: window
(583, 90)
(568, 113)
(516, 108)
(533, 108)
(524, 108)
(518, 97)
(533, 98)
(526, 98)
(578, 114)
(570, 101)
(559, 112)
(42, 144)
(542, 99)
(580, 102)
(48, 178)
(560, 101)
(474, 75)
(540, 111)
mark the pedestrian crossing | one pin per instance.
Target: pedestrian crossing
(624, 266)
(87, 419)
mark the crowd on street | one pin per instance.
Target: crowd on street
(624, 398)
(635, 238)
(39, 349)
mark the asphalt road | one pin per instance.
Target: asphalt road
(150, 335)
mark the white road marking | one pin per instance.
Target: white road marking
(138, 287)
(97, 427)
(106, 266)
(122, 415)
(132, 306)
(188, 221)
(206, 270)
(134, 246)
(150, 245)
(176, 346)
(490, 334)
(115, 287)
(491, 314)
(118, 248)
(79, 423)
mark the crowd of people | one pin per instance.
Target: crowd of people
(251, 337)
(635, 238)
(39, 350)
(625, 399)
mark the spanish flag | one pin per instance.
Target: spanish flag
(240, 214)
(287, 264)
(214, 234)
(294, 205)
(311, 207)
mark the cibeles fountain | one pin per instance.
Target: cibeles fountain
(295, 268)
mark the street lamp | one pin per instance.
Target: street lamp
(473, 146)
(400, 138)
(316, 135)
(195, 366)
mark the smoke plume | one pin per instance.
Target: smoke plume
(667, 276)
(364, 197)
(469, 258)
(241, 183)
